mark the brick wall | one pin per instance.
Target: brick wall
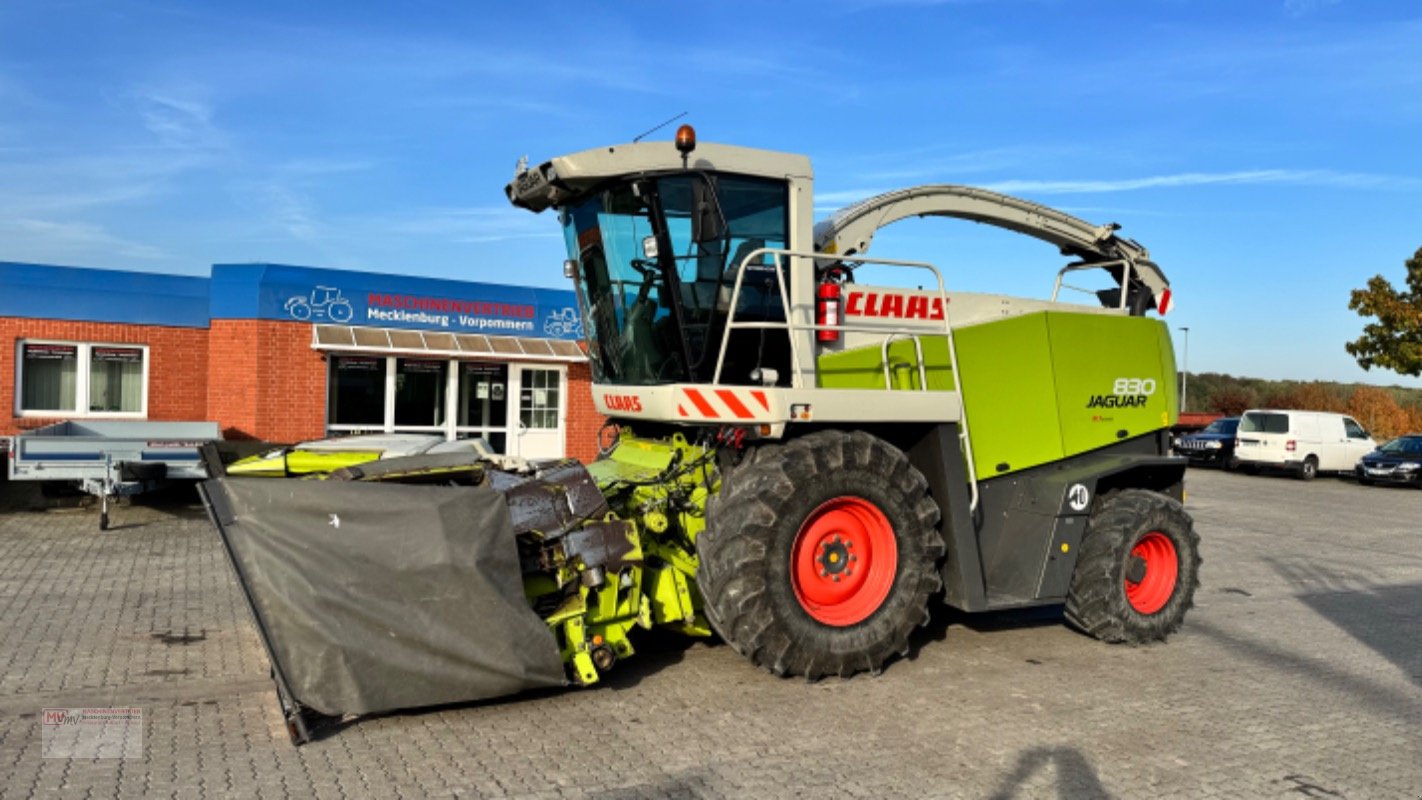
(265, 381)
(177, 365)
(584, 421)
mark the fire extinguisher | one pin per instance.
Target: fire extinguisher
(827, 306)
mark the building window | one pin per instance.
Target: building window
(81, 379)
(115, 379)
(419, 392)
(356, 396)
(517, 409)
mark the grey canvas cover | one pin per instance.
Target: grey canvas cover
(375, 597)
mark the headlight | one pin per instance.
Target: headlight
(1408, 466)
(1212, 445)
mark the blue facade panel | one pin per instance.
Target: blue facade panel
(278, 292)
(307, 294)
(43, 291)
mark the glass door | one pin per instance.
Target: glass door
(482, 408)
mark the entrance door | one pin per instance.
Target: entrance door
(482, 407)
(541, 411)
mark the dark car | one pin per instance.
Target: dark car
(1398, 461)
(1213, 445)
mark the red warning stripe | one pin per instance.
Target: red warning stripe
(760, 397)
(706, 409)
(734, 403)
(681, 411)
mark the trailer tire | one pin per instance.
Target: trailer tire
(781, 534)
(1142, 535)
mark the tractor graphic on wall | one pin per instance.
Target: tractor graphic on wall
(564, 323)
(325, 303)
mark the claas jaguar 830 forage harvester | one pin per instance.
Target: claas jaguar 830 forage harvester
(796, 461)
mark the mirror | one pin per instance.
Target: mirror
(705, 213)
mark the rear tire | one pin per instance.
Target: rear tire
(785, 525)
(1138, 570)
(1309, 469)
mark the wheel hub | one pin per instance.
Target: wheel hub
(836, 560)
(843, 561)
(1151, 572)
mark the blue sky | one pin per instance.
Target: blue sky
(1268, 153)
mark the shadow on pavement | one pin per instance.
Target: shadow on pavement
(942, 617)
(1388, 619)
(1376, 696)
(1076, 778)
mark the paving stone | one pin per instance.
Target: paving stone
(1299, 673)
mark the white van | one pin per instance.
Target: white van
(1305, 442)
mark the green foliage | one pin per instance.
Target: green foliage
(1394, 341)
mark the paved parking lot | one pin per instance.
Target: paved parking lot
(1299, 674)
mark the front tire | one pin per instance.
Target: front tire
(820, 555)
(1138, 570)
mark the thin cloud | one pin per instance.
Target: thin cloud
(829, 201)
(1324, 178)
(47, 239)
(1299, 8)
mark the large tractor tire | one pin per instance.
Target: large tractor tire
(820, 555)
(1138, 569)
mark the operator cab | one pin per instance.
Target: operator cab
(654, 253)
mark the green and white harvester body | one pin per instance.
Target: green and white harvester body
(799, 461)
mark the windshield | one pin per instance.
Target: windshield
(656, 266)
(1222, 426)
(1404, 445)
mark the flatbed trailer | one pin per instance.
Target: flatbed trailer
(111, 458)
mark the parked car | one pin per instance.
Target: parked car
(1213, 445)
(1302, 442)
(1398, 461)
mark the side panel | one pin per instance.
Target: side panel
(1032, 522)
(1111, 381)
(1009, 393)
(863, 367)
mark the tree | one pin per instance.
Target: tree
(1395, 341)
(1233, 401)
(1378, 412)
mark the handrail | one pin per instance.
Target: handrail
(792, 327)
(918, 354)
(1126, 263)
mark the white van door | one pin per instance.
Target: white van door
(1263, 436)
(1332, 444)
(1359, 443)
(1303, 434)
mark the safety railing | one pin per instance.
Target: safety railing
(918, 356)
(791, 327)
(1126, 265)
